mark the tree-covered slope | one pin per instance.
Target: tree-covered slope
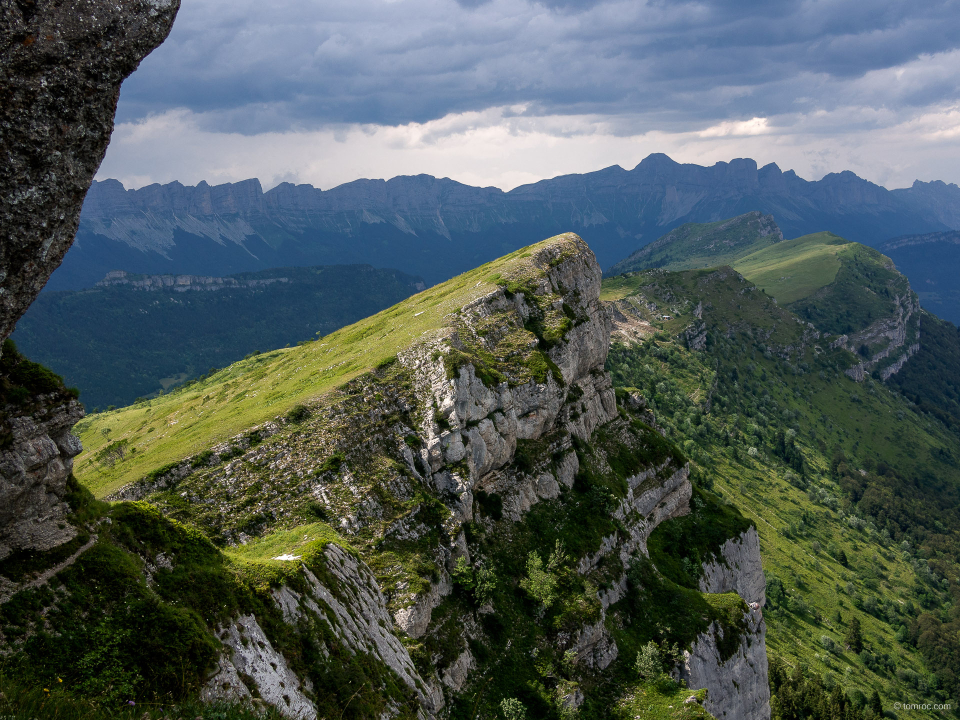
(134, 336)
(932, 377)
(855, 491)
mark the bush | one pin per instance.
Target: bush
(478, 583)
(513, 709)
(648, 665)
(298, 414)
(541, 582)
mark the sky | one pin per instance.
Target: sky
(506, 92)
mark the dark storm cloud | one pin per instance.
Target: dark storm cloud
(257, 66)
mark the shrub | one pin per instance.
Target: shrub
(648, 665)
(513, 709)
(541, 582)
(298, 414)
(478, 583)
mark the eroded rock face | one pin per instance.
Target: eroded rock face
(34, 468)
(897, 335)
(738, 686)
(61, 65)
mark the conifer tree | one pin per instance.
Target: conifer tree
(854, 638)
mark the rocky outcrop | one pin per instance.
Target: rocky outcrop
(738, 688)
(894, 338)
(253, 661)
(482, 424)
(349, 602)
(34, 467)
(61, 65)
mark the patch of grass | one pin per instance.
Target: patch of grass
(794, 269)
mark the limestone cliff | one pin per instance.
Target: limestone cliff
(61, 65)
(738, 687)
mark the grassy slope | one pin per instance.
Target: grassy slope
(698, 245)
(794, 269)
(800, 534)
(260, 388)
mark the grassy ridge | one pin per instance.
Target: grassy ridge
(698, 245)
(794, 269)
(257, 389)
(853, 492)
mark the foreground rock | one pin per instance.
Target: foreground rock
(61, 65)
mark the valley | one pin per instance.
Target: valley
(133, 336)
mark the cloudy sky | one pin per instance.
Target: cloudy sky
(504, 92)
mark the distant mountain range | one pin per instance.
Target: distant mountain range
(437, 228)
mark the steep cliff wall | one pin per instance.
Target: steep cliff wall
(61, 65)
(738, 687)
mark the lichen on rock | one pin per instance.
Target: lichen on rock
(61, 66)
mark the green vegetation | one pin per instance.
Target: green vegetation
(133, 622)
(118, 343)
(795, 269)
(21, 379)
(31, 702)
(800, 694)
(699, 245)
(854, 492)
(199, 415)
(931, 380)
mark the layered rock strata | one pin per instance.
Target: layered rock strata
(34, 467)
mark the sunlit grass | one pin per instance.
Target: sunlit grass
(252, 391)
(794, 269)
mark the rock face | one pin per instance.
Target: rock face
(738, 687)
(61, 65)
(34, 468)
(896, 336)
(183, 283)
(470, 436)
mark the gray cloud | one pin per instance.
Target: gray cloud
(251, 67)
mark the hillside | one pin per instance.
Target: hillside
(696, 245)
(135, 336)
(453, 521)
(842, 288)
(436, 228)
(853, 489)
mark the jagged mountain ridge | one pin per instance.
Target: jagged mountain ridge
(437, 228)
